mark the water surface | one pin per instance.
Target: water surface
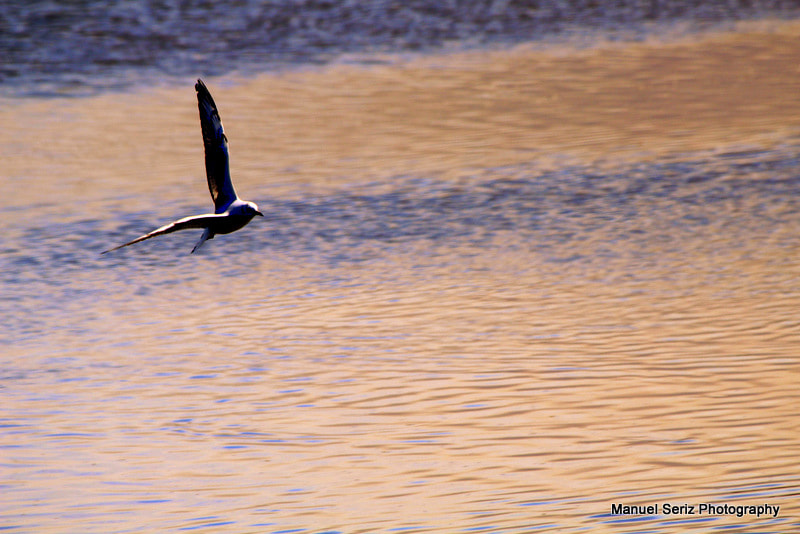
(495, 291)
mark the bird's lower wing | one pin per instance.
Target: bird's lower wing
(196, 221)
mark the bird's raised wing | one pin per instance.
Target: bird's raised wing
(216, 146)
(195, 221)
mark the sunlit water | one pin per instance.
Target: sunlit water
(494, 292)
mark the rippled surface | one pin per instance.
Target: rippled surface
(478, 302)
(84, 47)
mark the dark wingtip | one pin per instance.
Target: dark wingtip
(203, 94)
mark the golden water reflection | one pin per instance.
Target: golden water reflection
(545, 342)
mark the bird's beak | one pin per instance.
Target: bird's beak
(259, 213)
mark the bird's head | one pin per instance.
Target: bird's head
(251, 209)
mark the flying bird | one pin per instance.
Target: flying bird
(230, 212)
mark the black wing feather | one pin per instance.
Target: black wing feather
(216, 149)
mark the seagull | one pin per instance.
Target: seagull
(230, 212)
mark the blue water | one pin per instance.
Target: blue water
(88, 46)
